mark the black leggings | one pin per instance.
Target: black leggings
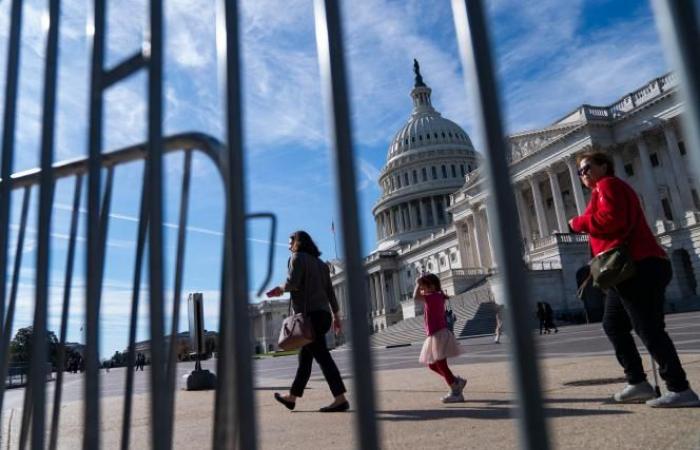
(638, 304)
(321, 321)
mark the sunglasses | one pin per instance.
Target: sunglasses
(584, 170)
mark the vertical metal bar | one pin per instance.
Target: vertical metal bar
(8, 150)
(46, 189)
(161, 429)
(138, 267)
(474, 46)
(67, 286)
(677, 21)
(12, 303)
(329, 42)
(179, 265)
(91, 418)
(235, 403)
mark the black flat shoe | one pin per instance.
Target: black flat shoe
(340, 407)
(289, 405)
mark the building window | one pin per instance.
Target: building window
(681, 147)
(405, 178)
(444, 172)
(420, 137)
(667, 209)
(415, 177)
(398, 182)
(629, 170)
(461, 169)
(425, 174)
(454, 171)
(408, 273)
(413, 139)
(442, 261)
(443, 135)
(453, 257)
(469, 168)
(427, 136)
(654, 159)
(430, 266)
(434, 170)
(696, 198)
(450, 134)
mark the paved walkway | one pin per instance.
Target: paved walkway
(410, 414)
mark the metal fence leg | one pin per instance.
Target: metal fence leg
(475, 50)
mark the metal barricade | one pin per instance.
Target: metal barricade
(234, 423)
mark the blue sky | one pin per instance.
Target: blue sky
(552, 56)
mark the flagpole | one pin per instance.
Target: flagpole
(335, 243)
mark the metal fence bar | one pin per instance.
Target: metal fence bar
(91, 411)
(67, 286)
(329, 42)
(161, 435)
(135, 293)
(474, 45)
(177, 289)
(46, 191)
(8, 150)
(677, 21)
(12, 303)
(235, 403)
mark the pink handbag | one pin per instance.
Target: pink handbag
(296, 332)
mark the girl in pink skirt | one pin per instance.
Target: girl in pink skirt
(440, 343)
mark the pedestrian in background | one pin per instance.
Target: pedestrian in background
(440, 343)
(549, 318)
(613, 218)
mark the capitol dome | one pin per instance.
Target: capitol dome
(426, 162)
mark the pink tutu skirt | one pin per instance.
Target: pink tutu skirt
(440, 345)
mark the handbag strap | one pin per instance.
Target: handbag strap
(306, 300)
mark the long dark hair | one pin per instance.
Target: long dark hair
(430, 279)
(302, 242)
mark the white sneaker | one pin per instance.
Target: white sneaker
(453, 398)
(458, 386)
(683, 399)
(635, 393)
(497, 340)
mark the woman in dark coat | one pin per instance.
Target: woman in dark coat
(311, 291)
(614, 217)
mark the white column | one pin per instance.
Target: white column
(382, 282)
(619, 165)
(558, 201)
(524, 214)
(464, 245)
(379, 230)
(651, 193)
(373, 292)
(487, 234)
(395, 301)
(476, 252)
(409, 221)
(672, 184)
(576, 184)
(682, 182)
(539, 208)
(392, 221)
(433, 206)
(423, 213)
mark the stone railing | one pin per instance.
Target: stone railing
(544, 265)
(466, 272)
(558, 238)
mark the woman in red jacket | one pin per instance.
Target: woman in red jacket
(614, 217)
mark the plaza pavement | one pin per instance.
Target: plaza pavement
(410, 415)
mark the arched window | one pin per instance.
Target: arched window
(454, 171)
(444, 172)
(443, 135)
(434, 171)
(405, 178)
(427, 136)
(398, 182)
(461, 169)
(415, 177)
(425, 174)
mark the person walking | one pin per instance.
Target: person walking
(542, 317)
(549, 318)
(499, 323)
(614, 217)
(309, 284)
(440, 343)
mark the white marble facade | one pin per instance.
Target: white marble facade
(640, 131)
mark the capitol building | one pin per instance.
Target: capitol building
(431, 215)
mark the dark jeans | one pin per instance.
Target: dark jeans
(321, 321)
(638, 304)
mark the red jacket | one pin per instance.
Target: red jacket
(613, 217)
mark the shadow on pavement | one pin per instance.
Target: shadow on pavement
(487, 413)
